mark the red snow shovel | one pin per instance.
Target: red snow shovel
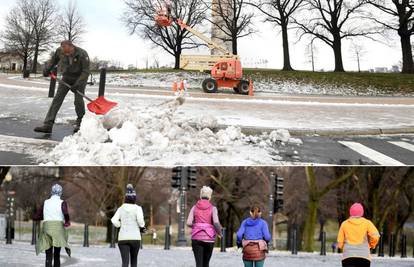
(99, 106)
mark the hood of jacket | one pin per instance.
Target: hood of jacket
(203, 204)
(252, 222)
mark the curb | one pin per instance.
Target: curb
(322, 132)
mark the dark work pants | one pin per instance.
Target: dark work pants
(57, 102)
(356, 262)
(53, 255)
(129, 250)
(202, 252)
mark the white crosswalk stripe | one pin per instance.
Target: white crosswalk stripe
(372, 154)
(403, 144)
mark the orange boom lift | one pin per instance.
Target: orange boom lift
(226, 69)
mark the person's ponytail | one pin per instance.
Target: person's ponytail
(255, 212)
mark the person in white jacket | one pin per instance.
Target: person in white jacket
(130, 219)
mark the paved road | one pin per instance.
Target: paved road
(348, 150)
(25, 102)
(22, 255)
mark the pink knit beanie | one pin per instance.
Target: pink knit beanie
(356, 210)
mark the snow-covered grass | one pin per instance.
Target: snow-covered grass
(153, 135)
(263, 83)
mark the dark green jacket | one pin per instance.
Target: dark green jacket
(74, 68)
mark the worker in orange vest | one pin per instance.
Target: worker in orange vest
(356, 237)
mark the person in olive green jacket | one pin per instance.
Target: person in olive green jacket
(73, 63)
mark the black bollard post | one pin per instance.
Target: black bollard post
(34, 233)
(403, 246)
(113, 229)
(86, 236)
(52, 86)
(167, 238)
(323, 244)
(9, 231)
(381, 246)
(223, 240)
(102, 82)
(294, 241)
(391, 251)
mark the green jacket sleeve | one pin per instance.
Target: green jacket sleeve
(85, 64)
(53, 61)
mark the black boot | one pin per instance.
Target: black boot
(76, 128)
(44, 129)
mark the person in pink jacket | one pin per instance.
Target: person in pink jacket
(205, 226)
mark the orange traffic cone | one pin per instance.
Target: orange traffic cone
(251, 88)
(175, 86)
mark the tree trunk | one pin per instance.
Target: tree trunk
(407, 54)
(309, 231)
(234, 45)
(35, 57)
(286, 55)
(178, 56)
(337, 49)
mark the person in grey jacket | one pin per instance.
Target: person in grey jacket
(130, 219)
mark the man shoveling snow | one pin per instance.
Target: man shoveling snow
(73, 62)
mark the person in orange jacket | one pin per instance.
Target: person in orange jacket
(356, 237)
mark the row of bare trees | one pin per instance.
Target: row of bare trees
(32, 26)
(329, 21)
(313, 196)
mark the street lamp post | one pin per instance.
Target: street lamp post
(10, 208)
(272, 243)
(182, 241)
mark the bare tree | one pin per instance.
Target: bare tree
(42, 15)
(72, 25)
(358, 51)
(232, 19)
(331, 21)
(311, 52)
(316, 193)
(139, 19)
(399, 17)
(19, 32)
(280, 12)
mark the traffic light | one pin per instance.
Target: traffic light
(10, 207)
(192, 177)
(176, 177)
(278, 194)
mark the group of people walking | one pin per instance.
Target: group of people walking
(356, 237)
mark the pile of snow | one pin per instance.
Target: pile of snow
(262, 84)
(153, 135)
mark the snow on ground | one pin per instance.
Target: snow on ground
(153, 135)
(23, 255)
(261, 84)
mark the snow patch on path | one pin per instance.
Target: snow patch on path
(154, 135)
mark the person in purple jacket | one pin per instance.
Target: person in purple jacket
(205, 226)
(253, 236)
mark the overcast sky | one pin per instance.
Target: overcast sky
(107, 38)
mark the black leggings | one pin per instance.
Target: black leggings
(356, 262)
(129, 250)
(202, 252)
(53, 255)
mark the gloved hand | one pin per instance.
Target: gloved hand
(46, 72)
(143, 230)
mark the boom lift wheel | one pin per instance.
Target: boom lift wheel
(243, 87)
(210, 85)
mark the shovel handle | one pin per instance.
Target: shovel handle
(53, 76)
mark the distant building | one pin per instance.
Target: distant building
(10, 62)
(381, 69)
